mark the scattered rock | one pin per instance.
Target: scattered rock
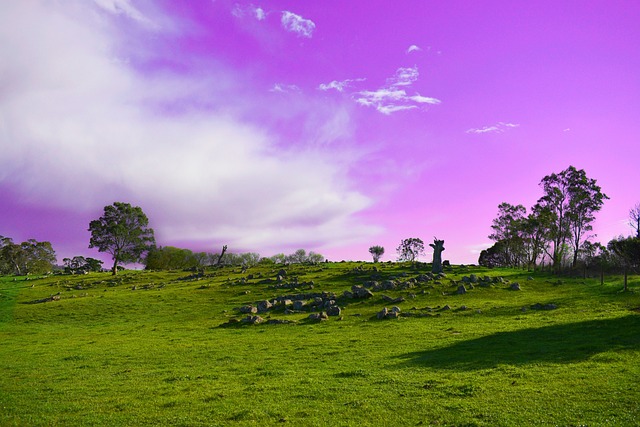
(252, 320)
(461, 290)
(445, 308)
(264, 306)
(515, 286)
(318, 316)
(334, 310)
(299, 305)
(385, 313)
(392, 300)
(361, 292)
(279, 322)
(248, 309)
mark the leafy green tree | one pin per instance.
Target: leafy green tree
(74, 265)
(376, 252)
(410, 249)
(122, 231)
(508, 229)
(534, 231)
(572, 200)
(169, 258)
(493, 256)
(279, 258)
(628, 252)
(30, 257)
(298, 257)
(93, 264)
(80, 264)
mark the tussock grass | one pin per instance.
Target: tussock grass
(147, 348)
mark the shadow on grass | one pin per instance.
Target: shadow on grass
(567, 343)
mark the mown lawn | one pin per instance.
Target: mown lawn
(149, 348)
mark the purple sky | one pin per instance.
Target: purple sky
(325, 125)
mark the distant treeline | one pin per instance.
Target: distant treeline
(172, 258)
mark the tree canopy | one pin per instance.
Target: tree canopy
(122, 231)
(30, 257)
(557, 225)
(376, 252)
(410, 249)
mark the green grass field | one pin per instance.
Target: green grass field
(156, 348)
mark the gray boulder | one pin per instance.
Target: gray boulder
(248, 309)
(264, 306)
(318, 316)
(252, 320)
(334, 310)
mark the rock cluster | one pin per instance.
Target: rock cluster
(484, 281)
(358, 292)
(319, 316)
(394, 313)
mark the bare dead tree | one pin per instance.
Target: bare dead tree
(634, 219)
(224, 249)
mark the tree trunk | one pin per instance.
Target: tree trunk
(224, 249)
(114, 270)
(601, 275)
(625, 278)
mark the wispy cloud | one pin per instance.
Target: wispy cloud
(393, 97)
(499, 127)
(476, 249)
(284, 88)
(124, 7)
(297, 24)
(339, 85)
(413, 48)
(256, 12)
(404, 76)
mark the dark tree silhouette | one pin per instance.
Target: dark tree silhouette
(122, 231)
(376, 252)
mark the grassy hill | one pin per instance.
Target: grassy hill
(170, 348)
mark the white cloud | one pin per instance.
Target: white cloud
(284, 88)
(259, 14)
(476, 249)
(79, 130)
(339, 85)
(390, 108)
(404, 76)
(255, 11)
(424, 99)
(124, 7)
(297, 24)
(499, 127)
(392, 98)
(413, 48)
